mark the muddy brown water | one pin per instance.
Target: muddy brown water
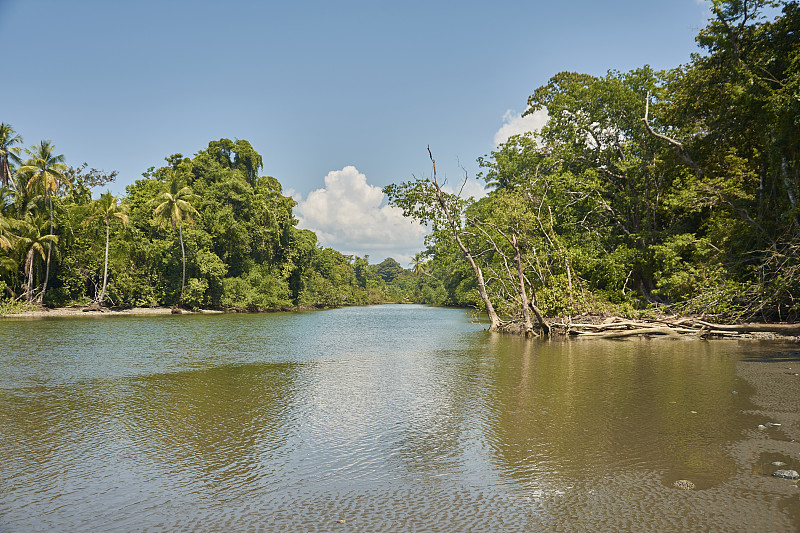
(387, 418)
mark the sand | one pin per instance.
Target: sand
(103, 312)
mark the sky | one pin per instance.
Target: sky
(340, 98)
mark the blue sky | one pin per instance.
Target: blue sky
(351, 91)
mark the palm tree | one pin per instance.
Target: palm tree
(46, 174)
(173, 206)
(8, 153)
(32, 240)
(418, 264)
(107, 208)
(6, 236)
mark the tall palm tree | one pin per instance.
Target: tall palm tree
(8, 154)
(173, 206)
(32, 240)
(107, 208)
(45, 173)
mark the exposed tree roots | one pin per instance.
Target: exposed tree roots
(669, 327)
(615, 327)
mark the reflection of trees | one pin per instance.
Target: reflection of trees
(434, 424)
(218, 421)
(573, 410)
(142, 444)
(37, 426)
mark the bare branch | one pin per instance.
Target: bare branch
(675, 144)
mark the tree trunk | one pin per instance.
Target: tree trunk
(494, 320)
(105, 268)
(6, 174)
(49, 249)
(523, 295)
(789, 189)
(677, 146)
(183, 259)
(29, 269)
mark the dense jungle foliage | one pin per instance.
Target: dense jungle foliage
(206, 231)
(646, 190)
(674, 190)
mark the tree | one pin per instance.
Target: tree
(46, 175)
(418, 264)
(107, 208)
(245, 158)
(173, 207)
(32, 241)
(8, 154)
(737, 106)
(6, 234)
(425, 201)
(389, 269)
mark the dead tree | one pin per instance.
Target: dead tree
(494, 320)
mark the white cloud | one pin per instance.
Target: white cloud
(516, 124)
(348, 215)
(472, 187)
(294, 194)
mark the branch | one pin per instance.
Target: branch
(675, 144)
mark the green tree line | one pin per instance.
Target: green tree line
(674, 190)
(206, 231)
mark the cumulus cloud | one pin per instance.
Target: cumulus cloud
(516, 124)
(293, 193)
(347, 214)
(472, 187)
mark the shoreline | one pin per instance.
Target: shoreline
(93, 311)
(560, 326)
(98, 311)
(763, 450)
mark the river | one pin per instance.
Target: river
(384, 418)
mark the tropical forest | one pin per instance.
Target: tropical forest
(645, 192)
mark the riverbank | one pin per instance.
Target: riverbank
(774, 444)
(45, 312)
(99, 311)
(585, 326)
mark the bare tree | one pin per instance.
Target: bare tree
(494, 320)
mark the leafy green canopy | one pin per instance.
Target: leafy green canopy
(201, 231)
(675, 190)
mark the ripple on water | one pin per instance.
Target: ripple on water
(628, 502)
(419, 424)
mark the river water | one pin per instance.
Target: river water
(385, 418)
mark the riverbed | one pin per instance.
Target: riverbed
(387, 418)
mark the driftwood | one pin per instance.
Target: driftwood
(615, 328)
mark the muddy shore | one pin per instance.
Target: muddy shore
(775, 380)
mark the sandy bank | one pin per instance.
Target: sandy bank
(775, 378)
(86, 311)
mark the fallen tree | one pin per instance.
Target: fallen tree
(615, 327)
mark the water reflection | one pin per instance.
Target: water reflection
(567, 411)
(392, 418)
(213, 426)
